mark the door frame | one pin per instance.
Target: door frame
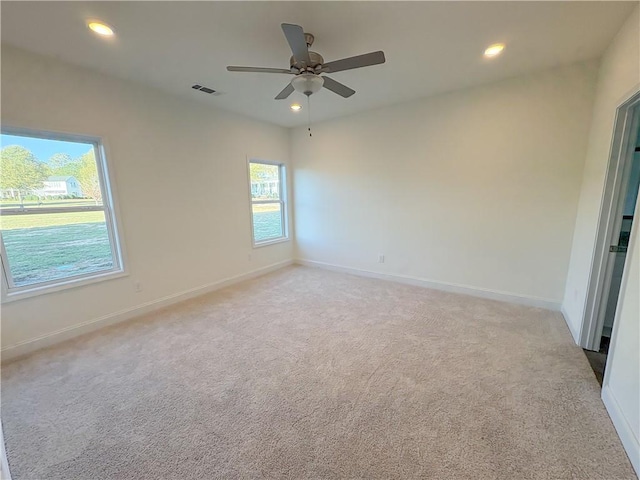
(625, 133)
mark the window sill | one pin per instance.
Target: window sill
(271, 242)
(34, 291)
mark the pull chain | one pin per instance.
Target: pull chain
(309, 114)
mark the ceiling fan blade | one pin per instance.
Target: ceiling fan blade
(373, 58)
(337, 87)
(297, 42)
(232, 68)
(288, 90)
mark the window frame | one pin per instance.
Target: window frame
(11, 292)
(282, 176)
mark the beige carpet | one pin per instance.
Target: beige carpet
(311, 374)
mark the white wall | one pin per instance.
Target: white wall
(155, 143)
(477, 188)
(619, 74)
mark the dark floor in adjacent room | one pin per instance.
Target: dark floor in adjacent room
(598, 360)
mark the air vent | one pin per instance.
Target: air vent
(203, 89)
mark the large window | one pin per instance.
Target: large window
(268, 209)
(56, 217)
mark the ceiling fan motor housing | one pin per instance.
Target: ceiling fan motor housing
(316, 61)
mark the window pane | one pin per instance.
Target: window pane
(267, 222)
(53, 246)
(43, 172)
(265, 181)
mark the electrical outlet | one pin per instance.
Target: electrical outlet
(138, 286)
(381, 258)
(249, 257)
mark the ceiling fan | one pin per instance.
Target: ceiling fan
(307, 66)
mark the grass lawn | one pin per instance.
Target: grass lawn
(41, 254)
(52, 246)
(267, 222)
(11, 222)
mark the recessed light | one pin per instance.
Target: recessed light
(493, 50)
(296, 107)
(101, 28)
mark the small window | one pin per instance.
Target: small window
(268, 208)
(56, 217)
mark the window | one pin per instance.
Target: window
(56, 217)
(268, 209)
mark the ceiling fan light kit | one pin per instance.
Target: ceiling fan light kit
(307, 83)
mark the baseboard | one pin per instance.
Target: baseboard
(447, 287)
(575, 334)
(5, 473)
(621, 424)
(13, 352)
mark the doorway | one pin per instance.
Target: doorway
(616, 219)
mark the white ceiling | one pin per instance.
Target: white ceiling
(431, 47)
